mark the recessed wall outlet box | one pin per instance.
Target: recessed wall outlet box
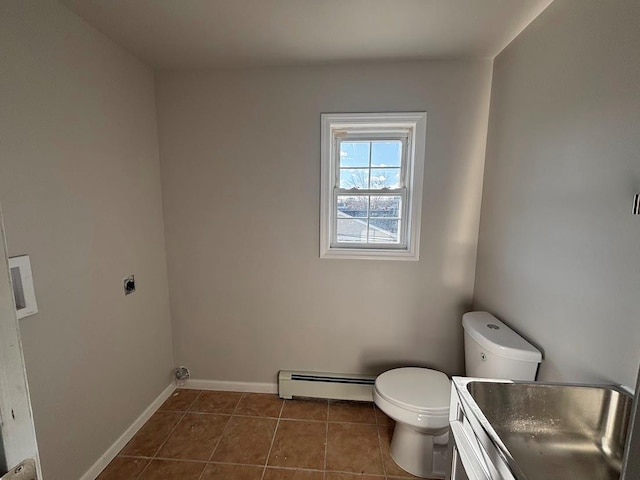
(129, 285)
(22, 280)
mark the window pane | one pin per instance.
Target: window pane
(382, 230)
(354, 178)
(354, 154)
(385, 178)
(350, 230)
(353, 206)
(386, 154)
(386, 206)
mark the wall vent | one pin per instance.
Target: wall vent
(335, 386)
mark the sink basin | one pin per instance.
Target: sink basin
(558, 431)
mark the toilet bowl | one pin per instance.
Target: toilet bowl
(418, 400)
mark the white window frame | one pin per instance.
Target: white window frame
(410, 127)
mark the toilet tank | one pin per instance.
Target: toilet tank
(493, 350)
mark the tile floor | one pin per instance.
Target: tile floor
(203, 435)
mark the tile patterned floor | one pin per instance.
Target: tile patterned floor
(203, 435)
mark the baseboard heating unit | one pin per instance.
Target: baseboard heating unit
(336, 386)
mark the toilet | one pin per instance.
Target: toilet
(418, 398)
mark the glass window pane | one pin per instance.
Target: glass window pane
(385, 178)
(353, 206)
(386, 154)
(351, 230)
(354, 154)
(354, 178)
(382, 230)
(386, 206)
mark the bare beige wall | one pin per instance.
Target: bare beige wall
(80, 190)
(240, 157)
(558, 255)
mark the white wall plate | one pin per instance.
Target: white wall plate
(22, 282)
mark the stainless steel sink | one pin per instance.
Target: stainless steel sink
(558, 431)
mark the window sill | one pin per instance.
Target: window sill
(369, 254)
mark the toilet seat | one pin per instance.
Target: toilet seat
(419, 390)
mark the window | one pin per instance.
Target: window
(371, 185)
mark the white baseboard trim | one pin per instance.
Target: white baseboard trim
(222, 386)
(128, 434)
(215, 385)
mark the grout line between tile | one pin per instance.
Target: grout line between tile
(293, 469)
(221, 435)
(384, 468)
(235, 409)
(326, 443)
(203, 413)
(279, 467)
(170, 433)
(245, 416)
(356, 474)
(187, 409)
(273, 439)
(183, 460)
(354, 423)
(254, 416)
(194, 401)
(161, 445)
(291, 419)
(149, 460)
(189, 460)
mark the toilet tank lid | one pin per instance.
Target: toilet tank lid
(498, 338)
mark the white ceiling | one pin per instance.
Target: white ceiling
(231, 33)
